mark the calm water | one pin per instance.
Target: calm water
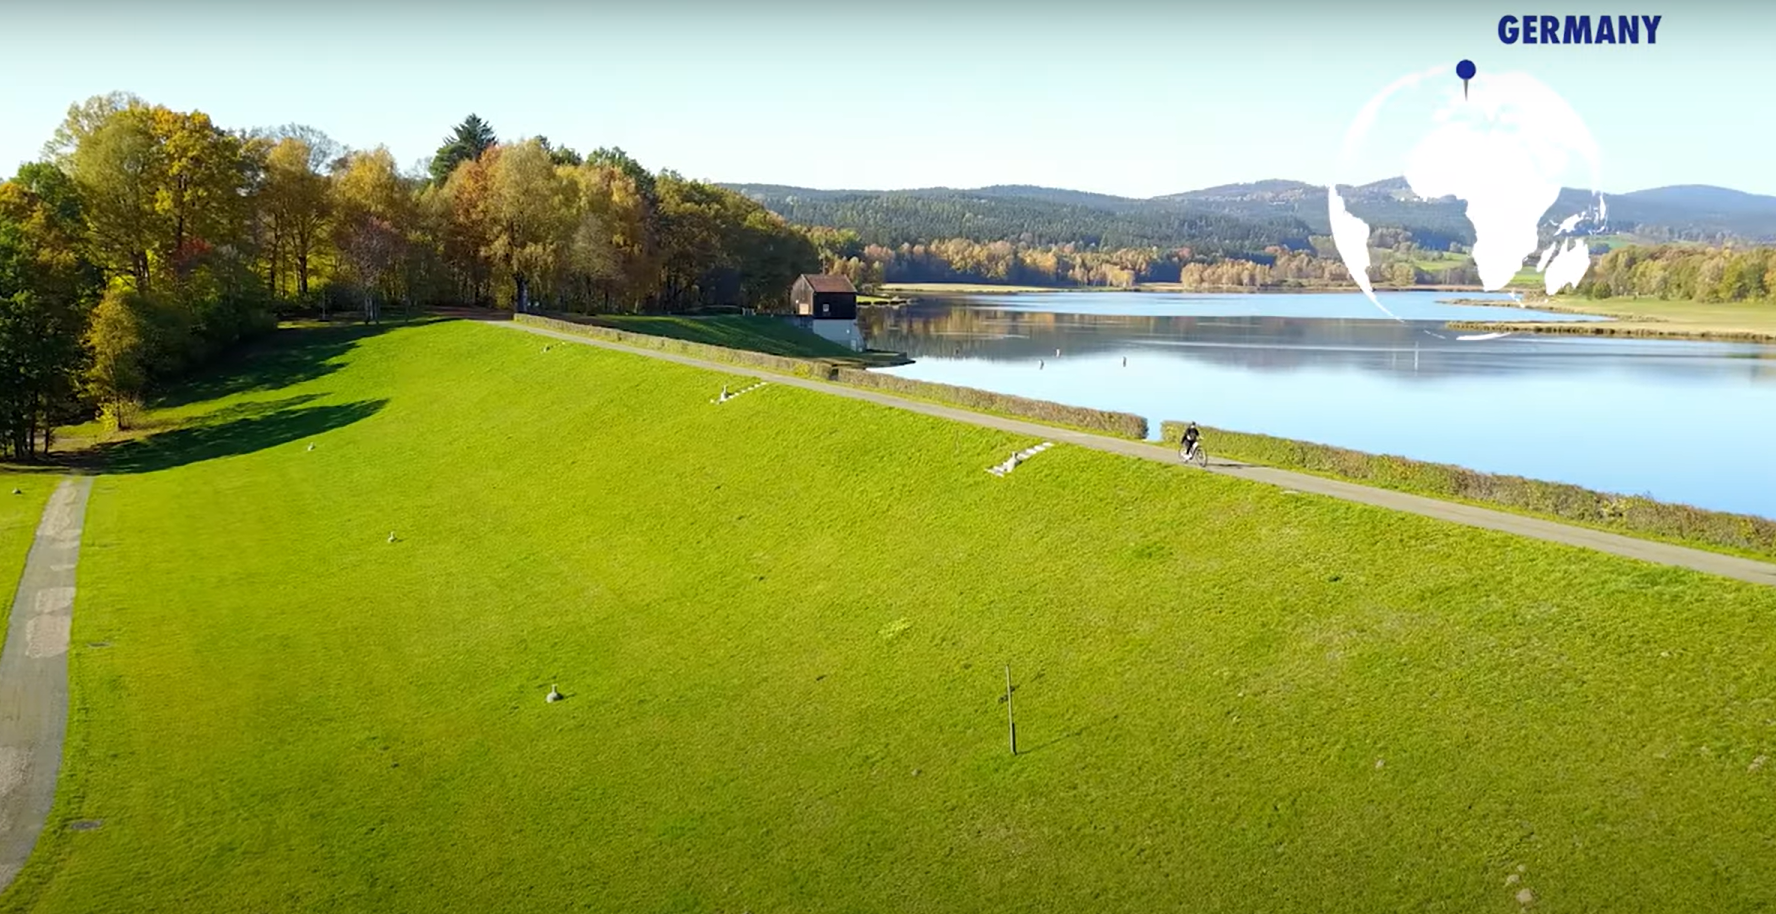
(1680, 421)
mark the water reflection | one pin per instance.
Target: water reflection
(1600, 412)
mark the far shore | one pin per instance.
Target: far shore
(962, 288)
(1646, 318)
(1628, 317)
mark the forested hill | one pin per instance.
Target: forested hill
(1038, 216)
(1231, 218)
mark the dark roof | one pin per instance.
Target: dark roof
(822, 282)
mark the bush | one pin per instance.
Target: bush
(1628, 514)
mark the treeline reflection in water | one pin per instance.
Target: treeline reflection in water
(1421, 348)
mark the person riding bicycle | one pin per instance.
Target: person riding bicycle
(1191, 436)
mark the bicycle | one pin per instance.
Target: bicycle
(1199, 455)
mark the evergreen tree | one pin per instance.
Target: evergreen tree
(464, 144)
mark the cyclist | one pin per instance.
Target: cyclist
(1191, 436)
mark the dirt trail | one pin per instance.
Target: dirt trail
(34, 676)
(1552, 531)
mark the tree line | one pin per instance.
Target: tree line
(147, 240)
(1401, 262)
(1684, 272)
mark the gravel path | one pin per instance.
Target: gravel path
(34, 676)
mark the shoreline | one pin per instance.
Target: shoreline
(913, 289)
(1651, 330)
(1611, 322)
(1724, 532)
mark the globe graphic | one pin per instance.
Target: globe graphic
(1502, 147)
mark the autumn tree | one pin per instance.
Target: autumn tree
(201, 195)
(528, 217)
(371, 205)
(297, 201)
(120, 340)
(689, 234)
(117, 164)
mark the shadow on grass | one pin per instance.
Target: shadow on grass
(286, 356)
(232, 432)
(1070, 734)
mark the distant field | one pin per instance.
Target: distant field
(18, 526)
(782, 625)
(1756, 315)
(1659, 317)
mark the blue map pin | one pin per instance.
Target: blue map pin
(1465, 70)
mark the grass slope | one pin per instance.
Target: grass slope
(19, 515)
(782, 625)
(771, 335)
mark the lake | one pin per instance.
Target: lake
(1679, 421)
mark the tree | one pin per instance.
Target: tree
(466, 143)
(528, 223)
(689, 232)
(615, 157)
(46, 287)
(768, 252)
(118, 167)
(118, 340)
(83, 120)
(323, 150)
(202, 187)
(372, 207)
(617, 219)
(297, 201)
(466, 231)
(560, 155)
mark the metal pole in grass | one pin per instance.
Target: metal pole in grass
(1010, 721)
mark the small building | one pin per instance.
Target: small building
(823, 297)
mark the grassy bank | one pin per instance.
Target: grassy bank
(770, 335)
(1735, 533)
(19, 515)
(1126, 425)
(1651, 318)
(782, 627)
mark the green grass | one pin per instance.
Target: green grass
(771, 335)
(19, 515)
(782, 625)
(1752, 315)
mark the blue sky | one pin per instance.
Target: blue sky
(1136, 98)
